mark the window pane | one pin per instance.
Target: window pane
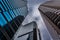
(19, 10)
(9, 3)
(12, 14)
(15, 12)
(0, 10)
(6, 4)
(2, 20)
(3, 5)
(7, 16)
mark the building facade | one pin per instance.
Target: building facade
(12, 14)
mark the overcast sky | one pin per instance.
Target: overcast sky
(37, 0)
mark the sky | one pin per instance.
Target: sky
(33, 1)
(30, 2)
(34, 15)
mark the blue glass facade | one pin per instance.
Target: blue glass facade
(2, 20)
(2, 8)
(12, 13)
(7, 16)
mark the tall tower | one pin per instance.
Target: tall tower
(12, 14)
(55, 0)
(50, 10)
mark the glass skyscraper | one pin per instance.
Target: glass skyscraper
(12, 14)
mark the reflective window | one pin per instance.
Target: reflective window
(2, 3)
(7, 16)
(12, 14)
(2, 20)
(19, 10)
(10, 5)
(2, 7)
(6, 4)
(0, 10)
(15, 12)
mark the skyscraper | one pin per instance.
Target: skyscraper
(50, 11)
(12, 14)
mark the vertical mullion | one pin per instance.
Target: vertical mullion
(6, 4)
(2, 21)
(1, 10)
(3, 5)
(10, 6)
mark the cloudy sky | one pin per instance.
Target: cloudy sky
(33, 1)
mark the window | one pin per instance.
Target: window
(12, 14)
(2, 20)
(7, 16)
(15, 12)
(3, 5)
